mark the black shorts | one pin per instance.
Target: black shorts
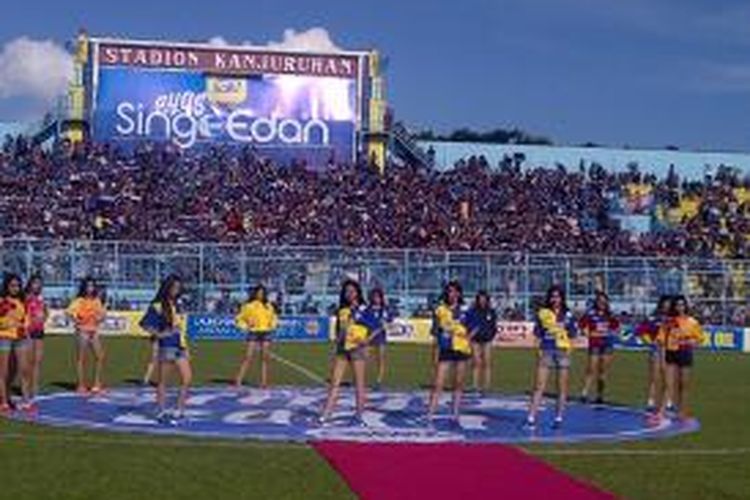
(36, 335)
(682, 359)
(258, 337)
(451, 356)
(483, 340)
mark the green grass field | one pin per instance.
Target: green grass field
(38, 462)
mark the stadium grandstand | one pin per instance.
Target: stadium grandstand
(642, 235)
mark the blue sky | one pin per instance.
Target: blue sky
(636, 72)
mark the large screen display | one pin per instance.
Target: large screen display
(309, 116)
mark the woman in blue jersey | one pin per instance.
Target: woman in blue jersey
(601, 328)
(378, 311)
(162, 320)
(482, 321)
(354, 329)
(555, 327)
(454, 347)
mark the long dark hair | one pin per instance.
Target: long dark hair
(259, 288)
(83, 285)
(7, 279)
(380, 293)
(34, 277)
(598, 295)
(163, 299)
(675, 300)
(456, 286)
(664, 299)
(342, 296)
(548, 299)
(480, 294)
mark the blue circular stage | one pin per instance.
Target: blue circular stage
(290, 414)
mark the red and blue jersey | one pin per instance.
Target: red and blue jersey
(648, 332)
(602, 329)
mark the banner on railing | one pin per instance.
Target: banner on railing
(410, 330)
(511, 334)
(116, 323)
(718, 338)
(291, 328)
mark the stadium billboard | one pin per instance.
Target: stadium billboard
(287, 106)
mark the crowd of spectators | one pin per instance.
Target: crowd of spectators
(94, 192)
(161, 194)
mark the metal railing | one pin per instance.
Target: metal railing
(308, 278)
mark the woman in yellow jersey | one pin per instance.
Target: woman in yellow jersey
(87, 313)
(454, 347)
(257, 318)
(13, 342)
(678, 336)
(163, 321)
(555, 327)
(355, 328)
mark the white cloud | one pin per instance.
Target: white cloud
(217, 40)
(37, 69)
(312, 40)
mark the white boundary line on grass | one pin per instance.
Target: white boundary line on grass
(644, 452)
(165, 442)
(299, 368)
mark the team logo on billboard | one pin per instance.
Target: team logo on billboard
(226, 91)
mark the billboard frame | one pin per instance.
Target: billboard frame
(362, 57)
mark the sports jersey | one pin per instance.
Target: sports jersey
(681, 333)
(168, 333)
(483, 323)
(381, 317)
(257, 317)
(554, 331)
(353, 327)
(648, 332)
(12, 319)
(35, 313)
(449, 326)
(601, 329)
(87, 313)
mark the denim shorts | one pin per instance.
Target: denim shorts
(557, 360)
(356, 354)
(171, 354)
(10, 345)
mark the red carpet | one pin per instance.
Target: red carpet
(436, 471)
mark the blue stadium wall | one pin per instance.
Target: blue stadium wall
(689, 164)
